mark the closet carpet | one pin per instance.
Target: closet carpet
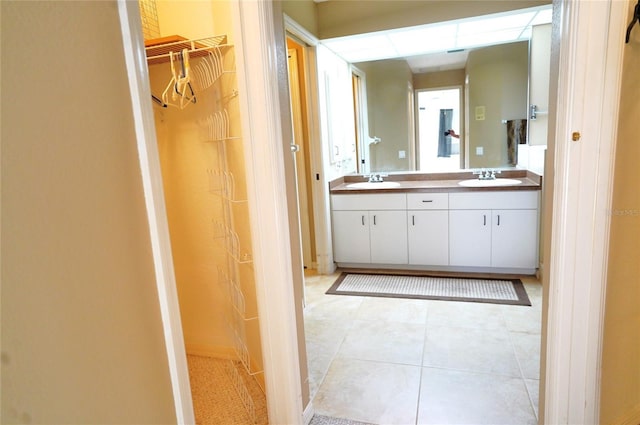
(215, 400)
(326, 420)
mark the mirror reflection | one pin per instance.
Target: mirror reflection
(438, 129)
(445, 111)
(476, 102)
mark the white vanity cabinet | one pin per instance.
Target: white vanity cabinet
(470, 238)
(370, 228)
(472, 231)
(428, 228)
(514, 238)
(494, 229)
(388, 230)
(351, 237)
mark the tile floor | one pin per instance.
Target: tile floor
(393, 361)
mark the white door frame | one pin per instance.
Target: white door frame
(269, 216)
(461, 129)
(589, 75)
(364, 140)
(320, 192)
(588, 99)
(263, 84)
(151, 174)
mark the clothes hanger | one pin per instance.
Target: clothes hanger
(179, 86)
(636, 18)
(183, 83)
(158, 101)
(171, 86)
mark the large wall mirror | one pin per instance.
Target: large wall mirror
(476, 81)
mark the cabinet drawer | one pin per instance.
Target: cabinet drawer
(427, 201)
(523, 199)
(392, 201)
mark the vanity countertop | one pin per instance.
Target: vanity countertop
(435, 182)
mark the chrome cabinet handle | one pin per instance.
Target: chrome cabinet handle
(485, 219)
(363, 220)
(374, 220)
(498, 219)
(427, 200)
(413, 220)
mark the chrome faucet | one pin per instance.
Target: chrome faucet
(485, 174)
(376, 178)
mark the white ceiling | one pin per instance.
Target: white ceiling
(441, 46)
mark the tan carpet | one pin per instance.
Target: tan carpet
(215, 400)
(327, 420)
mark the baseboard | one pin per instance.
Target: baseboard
(445, 271)
(308, 413)
(210, 351)
(540, 272)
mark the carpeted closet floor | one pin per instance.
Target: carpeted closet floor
(215, 400)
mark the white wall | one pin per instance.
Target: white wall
(336, 114)
(82, 338)
(539, 66)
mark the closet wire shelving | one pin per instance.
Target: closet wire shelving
(159, 50)
(230, 229)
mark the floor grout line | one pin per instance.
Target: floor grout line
(504, 327)
(524, 378)
(424, 345)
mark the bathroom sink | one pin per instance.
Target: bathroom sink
(489, 183)
(373, 185)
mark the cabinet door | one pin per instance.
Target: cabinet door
(351, 237)
(470, 238)
(388, 237)
(428, 234)
(514, 238)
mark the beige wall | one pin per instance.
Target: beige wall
(82, 338)
(620, 397)
(432, 80)
(347, 17)
(498, 80)
(387, 97)
(304, 12)
(195, 19)
(190, 19)
(193, 211)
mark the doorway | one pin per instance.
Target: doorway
(439, 124)
(301, 150)
(560, 360)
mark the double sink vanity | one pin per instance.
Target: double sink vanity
(438, 221)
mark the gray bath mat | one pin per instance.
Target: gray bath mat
(496, 291)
